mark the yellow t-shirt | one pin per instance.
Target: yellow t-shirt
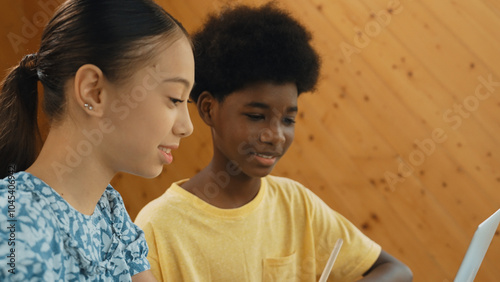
(286, 233)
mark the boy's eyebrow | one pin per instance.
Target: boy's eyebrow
(257, 105)
(266, 107)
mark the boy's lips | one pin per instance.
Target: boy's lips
(265, 155)
(267, 158)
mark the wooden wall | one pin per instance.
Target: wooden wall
(402, 135)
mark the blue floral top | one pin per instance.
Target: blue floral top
(43, 238)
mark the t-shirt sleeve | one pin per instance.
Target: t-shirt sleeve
(144, 220)
(358, 252)
(29, 251)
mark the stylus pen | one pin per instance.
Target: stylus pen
(331, 260)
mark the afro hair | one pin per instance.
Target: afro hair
(245, 45)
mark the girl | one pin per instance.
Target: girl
(116, 75)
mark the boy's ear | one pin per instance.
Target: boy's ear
(206, 103)
(89, 88)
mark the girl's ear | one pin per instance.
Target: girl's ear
(206, 103)
(88, 89)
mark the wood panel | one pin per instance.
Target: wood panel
(402, 134)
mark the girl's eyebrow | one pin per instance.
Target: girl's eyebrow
(178, 79)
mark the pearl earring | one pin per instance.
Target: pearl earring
(88, 106)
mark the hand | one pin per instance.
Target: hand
(388, 268)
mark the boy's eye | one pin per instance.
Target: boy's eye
(289, 121)
(255, 117)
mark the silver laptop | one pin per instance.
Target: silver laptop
(477, 248)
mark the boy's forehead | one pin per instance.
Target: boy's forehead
(270, 96)
(267, 89)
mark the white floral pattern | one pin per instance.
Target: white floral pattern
(51, 241)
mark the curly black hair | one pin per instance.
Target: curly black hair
(245, 45)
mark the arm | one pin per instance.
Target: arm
(153, 259)
(144, 276)
(387, 268)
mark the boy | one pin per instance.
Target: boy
(233, 221)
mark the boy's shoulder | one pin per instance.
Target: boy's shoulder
(281, 180)
(161, 208)
(292, 191)
(285, 185)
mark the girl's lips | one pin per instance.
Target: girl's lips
(166, 153)
(167, 157)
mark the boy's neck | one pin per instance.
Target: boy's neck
(221, 188)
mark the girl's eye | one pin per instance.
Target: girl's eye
(176, 101)
(255, 117)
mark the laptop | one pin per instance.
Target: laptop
(477, 248)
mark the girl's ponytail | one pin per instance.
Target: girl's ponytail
(19, 133)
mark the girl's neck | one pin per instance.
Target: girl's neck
(76, 175)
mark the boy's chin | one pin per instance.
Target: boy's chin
(260, 172)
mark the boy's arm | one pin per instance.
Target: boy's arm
(387, 268)
(143, 220)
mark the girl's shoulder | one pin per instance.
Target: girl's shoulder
(112, 198)
(32, 226)
(23, 196)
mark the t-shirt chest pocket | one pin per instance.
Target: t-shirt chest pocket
(280, 269)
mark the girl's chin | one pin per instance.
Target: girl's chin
(151, 173)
